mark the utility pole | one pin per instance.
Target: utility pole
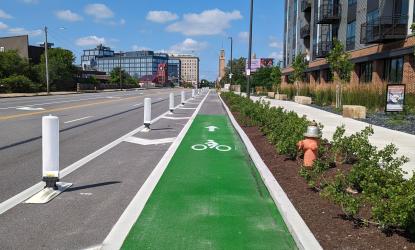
(120, 72)
(248, 85)
(46, 60)
(231, 75)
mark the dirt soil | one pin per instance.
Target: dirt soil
(325, 219)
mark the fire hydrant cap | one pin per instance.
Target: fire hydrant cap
(313, 131)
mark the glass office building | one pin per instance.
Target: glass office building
(174, 73)
(142, 65)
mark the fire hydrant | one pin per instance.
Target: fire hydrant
(310, 145)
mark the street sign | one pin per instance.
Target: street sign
(248, 72)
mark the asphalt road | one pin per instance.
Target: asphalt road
(87, 122)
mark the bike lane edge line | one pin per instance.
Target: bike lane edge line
(122, 227)
(301, 233)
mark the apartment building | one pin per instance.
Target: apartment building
(189, 68)
(377, 33)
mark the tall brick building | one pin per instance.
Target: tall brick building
(377, 33)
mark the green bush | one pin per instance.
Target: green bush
(283, 129)
(19, 83)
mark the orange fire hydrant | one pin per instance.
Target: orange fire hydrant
(310, 145)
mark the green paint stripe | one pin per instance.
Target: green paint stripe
(210, 199)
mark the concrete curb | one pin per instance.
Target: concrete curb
(296, 225)
(122, 227)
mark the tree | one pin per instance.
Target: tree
(262, 78)
(12, 64)
(341, 66)
(299, 65)
(238, 73)
(276, 78)
(115, 76)
(61, 68)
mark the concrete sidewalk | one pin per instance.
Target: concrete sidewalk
(381, 137)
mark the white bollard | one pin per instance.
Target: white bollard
(147, 113)
(50, 150)
(183, 98)
(171, 102)
(193, 93)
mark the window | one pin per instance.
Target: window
(372, 16)
(351, 35)
(351, 2)
(366, 71)
(393, 70)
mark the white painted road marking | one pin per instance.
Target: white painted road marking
(212, 128)
(80, 119)
(175, 118)
(138, 104)
(146, 142)
(29, 109)
(185, 108)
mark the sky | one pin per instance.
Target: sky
(199, 27)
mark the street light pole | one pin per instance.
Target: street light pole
(231, 75)
(46, 61)
(248, 85)
(120, 72)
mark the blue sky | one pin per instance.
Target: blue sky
(181, 26)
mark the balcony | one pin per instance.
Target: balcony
(329, 13)
(305, 5)
(305, 31)
(384, 29)
(322, 49)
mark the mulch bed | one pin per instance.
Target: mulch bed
(325, 219)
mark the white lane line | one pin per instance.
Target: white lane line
(146, 142)
(175, 118)
(29, 108)
(47, 103)
(138, 104)
(26, 194)
(185, 108)
(302, 235)
(130, 215)
(80, 119)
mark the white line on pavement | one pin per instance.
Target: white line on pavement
(138, 104)
(146, 142)
(175, 118)
(80, 119)
(130, 215)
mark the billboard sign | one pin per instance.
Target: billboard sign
(260, 63)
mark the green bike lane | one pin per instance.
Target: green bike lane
(210, 196)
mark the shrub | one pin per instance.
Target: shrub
(19, 83)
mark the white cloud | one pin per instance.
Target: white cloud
(161, 16)
(68, 15)
(23, 31)
(277, 55)
(3, 26)
(274, 43)
(90, 41)
(99, 11)
(209, 22)
(188, 46)
(243, 36)
(5, 15)
(122, 21)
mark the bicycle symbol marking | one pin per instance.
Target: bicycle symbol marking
(212, 145)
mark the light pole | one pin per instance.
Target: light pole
(46, 61)
(231, 75)
(248, 85)
(120, 72)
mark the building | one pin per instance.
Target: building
(143, 65)
(174, 73)
(189, 68)
(21, 45)
(377, 33)
(222, 65)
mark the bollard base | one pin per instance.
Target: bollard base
(146, 128)
(48, 193)
(171, 111)
(51, 182)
